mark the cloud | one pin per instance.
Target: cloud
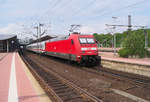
(18, 29)
(87, 30)
(100, 27)
(91, 14)
(10, 29)
(15, 29)
(93, 28)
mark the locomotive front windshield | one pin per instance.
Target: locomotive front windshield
(87, 41)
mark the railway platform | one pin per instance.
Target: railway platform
(139, 66)
(2, 55)
(112, 57)
(17, 83)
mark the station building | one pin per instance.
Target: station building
(8, 43)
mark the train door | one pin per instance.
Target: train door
(71, 50)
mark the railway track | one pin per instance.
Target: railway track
(116, 74)
(136, 78)
(119, 75)
(58, 88)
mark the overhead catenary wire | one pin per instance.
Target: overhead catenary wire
(53, 7)
(35, 18)
(105, 11)
(125, 7)
(59, 5)
(122, 8)
(78, 10)
(52, 10)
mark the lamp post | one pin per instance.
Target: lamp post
(40, 25)
(146, 37)
(12, 48)
(114, 27)
(37, 35)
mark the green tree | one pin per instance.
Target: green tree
(107, 39)
(134, 45)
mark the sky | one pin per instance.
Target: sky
(21, 16)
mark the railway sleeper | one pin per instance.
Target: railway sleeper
(52, 77)
(67, 94)
(64, 97)
(59, 88)
(63, 91)
(75, 97)
(45, 77)
(55, 82)
(56, 85)
(78, 100)
(47, 80)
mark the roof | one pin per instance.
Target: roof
(6, 36)
(47, 37)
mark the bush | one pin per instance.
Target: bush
(123, 52)
(148, 54)
(134, 45)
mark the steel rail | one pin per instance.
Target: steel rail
(84, 94)
(42, 82)
(137, 80)
(116, 74)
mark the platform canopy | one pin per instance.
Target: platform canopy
(6, 36)
(8, 42)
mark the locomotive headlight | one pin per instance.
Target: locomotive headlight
(93, 48)
(83, 49)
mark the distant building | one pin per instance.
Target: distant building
(8, 43)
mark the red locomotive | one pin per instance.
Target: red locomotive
(75, 47)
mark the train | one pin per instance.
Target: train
(75, 47)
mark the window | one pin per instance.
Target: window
(90, 40)
(87, 41)
(83, 40)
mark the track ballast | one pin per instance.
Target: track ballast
(58, 88)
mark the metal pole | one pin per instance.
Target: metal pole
(114, 36)
(7, 46)
(129, 23)
(114, 41)
(146, 38)
(37, 29)
(40, 34)
(39, 37)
